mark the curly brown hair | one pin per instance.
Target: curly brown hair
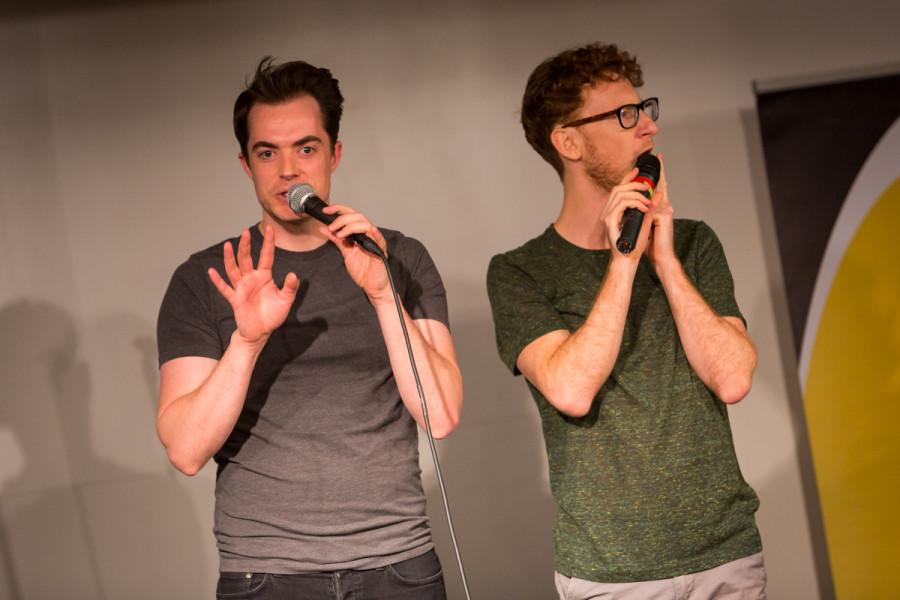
(553, 93)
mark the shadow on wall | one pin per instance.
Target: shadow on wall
(73, 524)
(495, 472)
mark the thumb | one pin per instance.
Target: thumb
(379, 239)
(342, 244)
(290, 287)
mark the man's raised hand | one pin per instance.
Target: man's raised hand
(259, 306)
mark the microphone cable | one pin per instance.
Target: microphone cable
(302, 198)
(434, 456)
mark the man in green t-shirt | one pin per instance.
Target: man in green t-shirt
(631, 358)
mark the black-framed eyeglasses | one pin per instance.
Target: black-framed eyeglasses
(628, 114)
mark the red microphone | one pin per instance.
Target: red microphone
(648, 172)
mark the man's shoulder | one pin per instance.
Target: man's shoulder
(690, 226)
(400, 239)
(691, 233)
(524, 255)
(404, 248)
(213, 253)
(194, 267)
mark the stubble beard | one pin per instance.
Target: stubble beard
(601, 172)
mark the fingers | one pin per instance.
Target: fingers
(324, 230)
(333, 209)
(220, 284)
(348, 246)
(641, 204)
(242, 265)
(619, 216)
(662, 234)
(267, 253)
(378, 237)
(291, 284)
(662, 187)
(348, 221)
(631, 186)
(628, 196)
(662, 215)
(244, 261)
(231, 268)
(629, 176)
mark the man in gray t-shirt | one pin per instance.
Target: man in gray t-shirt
(285, 362)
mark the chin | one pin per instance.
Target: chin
(292, 219)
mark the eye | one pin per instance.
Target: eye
(629, 113)
(265, 154)
(307, 150)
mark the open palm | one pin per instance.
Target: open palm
(259, 306)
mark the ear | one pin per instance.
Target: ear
(336, 155)
(245, 164)
(567, 142)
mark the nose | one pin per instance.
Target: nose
(646, 125)
(287, 166)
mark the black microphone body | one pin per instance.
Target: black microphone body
(648, 172)
(302, 198)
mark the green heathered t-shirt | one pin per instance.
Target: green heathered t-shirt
(647, 484)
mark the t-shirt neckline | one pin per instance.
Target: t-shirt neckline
(256, 241)
(557, 236)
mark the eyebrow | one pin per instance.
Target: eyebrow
(301, 142)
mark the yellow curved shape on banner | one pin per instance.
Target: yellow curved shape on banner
(852, 399)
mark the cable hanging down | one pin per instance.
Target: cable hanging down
(302, 198)
(434, 456)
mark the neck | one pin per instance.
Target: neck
(581, 219)
(296, 236)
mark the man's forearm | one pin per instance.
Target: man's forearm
(570, 373)
(440, 376)
(194, 425)
(720, 352)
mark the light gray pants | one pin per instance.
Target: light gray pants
(741, 579)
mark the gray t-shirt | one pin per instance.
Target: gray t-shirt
(321, 471)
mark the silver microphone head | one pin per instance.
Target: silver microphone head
(298, 195)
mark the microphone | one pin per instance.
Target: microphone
(632, 219)
(302, 198)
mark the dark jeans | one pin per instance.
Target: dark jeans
(418, 578)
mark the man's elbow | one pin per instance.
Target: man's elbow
(447, 425)
(186, 462)
(186, 466)
(442, 431)
(571, 403)
(735, 386)
(734, 389)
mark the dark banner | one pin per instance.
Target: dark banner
(832, 156)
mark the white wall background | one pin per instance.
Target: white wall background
(117, 161)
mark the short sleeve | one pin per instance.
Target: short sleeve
(521, 312)
(713, 277)
(424, 296)
(186, 323)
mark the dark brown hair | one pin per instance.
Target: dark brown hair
(273, 84)
(553, 93)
